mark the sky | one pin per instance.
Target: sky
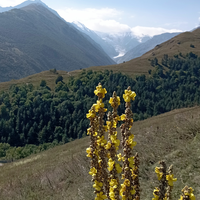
(141, 17)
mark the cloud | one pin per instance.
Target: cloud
(106, 20)
(107, 26)
(8, 3)
(140, 31)
(71, 14)
(103, 20)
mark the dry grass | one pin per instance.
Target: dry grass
(35, 79)
(62, 172)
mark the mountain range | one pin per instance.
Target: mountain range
(124, 46)
(34, 39)
(142, 48)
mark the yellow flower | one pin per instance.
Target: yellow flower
(120, 157)
(108, 145)
(89, 131)
(127, 182)
(155, 193)
(114, 124)
(122, 190)
(95, 134)
(131, 162)
(108, 125)
(133, 191)
(93, 171)
(115, 141)
(91, 114)
(97, 185)
(111, 101)
(181, 198)
(129, 95)
(123, 117)
(117, 118)
(88, 150)
(100, 196)
(101, 141)
(113, 183)
(192, 197)
(112, 193)
(170, 179)
(159, 174)
(123, 176)
(130, 141)
(98, 105)
(105, 128)
(100, 91)
(110, 164)
(118, 168)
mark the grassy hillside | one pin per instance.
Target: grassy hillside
(62, 172)
(35, 79)
(33, 39)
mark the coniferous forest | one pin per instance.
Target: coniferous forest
(38, 116)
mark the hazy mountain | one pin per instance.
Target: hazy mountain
(33, 39)
(26, 3)
(122, 42)
(142, 48)
(109, 49)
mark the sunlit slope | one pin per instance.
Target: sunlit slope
(62, 172)
(183, 43)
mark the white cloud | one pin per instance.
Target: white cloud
(70, 14)
(8, 3)
(140, 31)
(106, 20)
(103, 20)
(107, 26)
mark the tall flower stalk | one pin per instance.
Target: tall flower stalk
(166, 179)
(93, 153)
(187, 194)
(127, 188)
(112, 146)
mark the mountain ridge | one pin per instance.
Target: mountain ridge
(144, 47)
(43, 41)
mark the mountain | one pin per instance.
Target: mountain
(26, 3)
(181, 44)
(142, 48)
(122, 42)
(33, 39)
(110, 50)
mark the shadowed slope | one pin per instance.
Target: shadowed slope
(33, 39)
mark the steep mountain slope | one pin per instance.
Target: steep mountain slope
(110, 50)
(142, 48)
(62, 172)
(33, 39)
